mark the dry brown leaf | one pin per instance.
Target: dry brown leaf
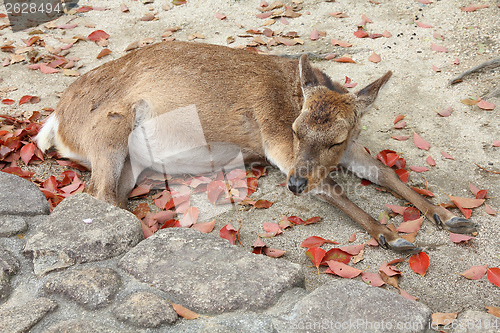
(441, 318)
(494, 310)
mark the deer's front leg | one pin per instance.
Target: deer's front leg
(333, 193)
(357, 160)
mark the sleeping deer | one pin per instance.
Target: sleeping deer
(136, 112)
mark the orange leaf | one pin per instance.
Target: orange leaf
(422, 191)
(396, 209)
(184, 312)
(374, 58)
(345, 59)
(494, 276)
(263, 204)
(494, 310)
(103, 53)
(419, 263)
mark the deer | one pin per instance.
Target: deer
(279, 111)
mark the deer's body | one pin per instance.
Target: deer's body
(137, 112)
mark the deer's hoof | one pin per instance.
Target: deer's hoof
(457, 225)
(398, 245)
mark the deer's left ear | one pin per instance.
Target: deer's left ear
(307, 77)
(366, 96)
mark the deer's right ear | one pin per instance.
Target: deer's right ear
(307, 77)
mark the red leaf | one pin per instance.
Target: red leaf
(489, 210)
(139, 191)
(420, 143)
(228, 232)
(337, 255)
(27, 152)
(373, 279)
(400, 138)
(19, 172)
(353, 250)
(398, 118)
(263, 204)
(315, 241)
(466, 202)
(97, 36)
(312, 220)
(343, 270)
(314, 35)
(295, 220)
(457, 238)
(274, 253)
(446, 112)
(419, 263)
(472, 8)
(336, 42)
(496, 143)
(485, 105)
(316, 255)
(273, 228)
(47, 70)
(396, 209)
(141, 210)
(438, 48)
(423, 25)
(418, 169)
(345, 59)
(482, 194)
(410, 226)
(205, 227)
(374, 58)
(190, 217)
(410, 214)
(403, 175)
(446, 155)
(361, 33)
(352, 238)
(475, 272)
(429, 160)
(422, 191)
(494, 276)
(400, 125)
(8, 101)
(348, 83)
(28, 98)
(214, 190)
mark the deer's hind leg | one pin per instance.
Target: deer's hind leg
(357, 160)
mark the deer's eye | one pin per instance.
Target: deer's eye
(336, 144)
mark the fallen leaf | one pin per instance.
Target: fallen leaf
(410, 226)
(400, 125)
(466, 202)
(475, 272)
(429, 160)
(274, 253)
(422, 191)
(228, 232)
(316, 254)
(489, 210)
(410, 237)
(420, 142)
(496, 143)
(398, 118)
(396, 209)
(190, 217)
(7, 101)
(179, 2)
(374, 58)
(411, 214)
(406, 295)
(337, 255)
(373, 279)
(403, 175)
(494, 310)
(353, 249)
(263, 204)
(440, 318)
(372, 242)
(315, 241)
(312, 220)
(273, 228)
(295, 220)
(457, 238)
(220, 16)
(47, 70)
(182, 311)
(352, 238)
(98, 35)
(446, 112)
(419, 263)
(418, 169)
(30, 99)
(361, 33)
(386, 34)
(400, 137)
(436, 69)
(336, 42)
(485, 105)
(338, 15)
(103, 53)
(494, 276)
(343, 270)
(472, 8)
(423, 25)
(438, 48)
(314, 35)
(345, 59)
(71, 72)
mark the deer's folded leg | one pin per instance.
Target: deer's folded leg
(357, 160)
(333, 193)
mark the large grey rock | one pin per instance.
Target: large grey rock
(22, 318)
(9, 265)
(79, 326)
(145, 310)
(82, 229)
(248, 322)
(207, 274)
(11, 225)
(475, 322)
(90, 287)
(352, 306)
(19, 196)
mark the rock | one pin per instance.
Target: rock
(248, 322)
(79, 326)
(207, 274)
(19, 196)
(9, 265)
(11, 225)
(353, 306)
(145, 309)
(22, 318)
(90, 287)
(82, 229)
(475, 322)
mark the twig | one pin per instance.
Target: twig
(495, 172)
(485, 65)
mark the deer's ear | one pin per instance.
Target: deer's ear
(367, 95)
(307, 77)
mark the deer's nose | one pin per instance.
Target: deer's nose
(297, 184)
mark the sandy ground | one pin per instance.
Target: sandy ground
(415, 90)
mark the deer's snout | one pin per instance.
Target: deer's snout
(297, 184)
